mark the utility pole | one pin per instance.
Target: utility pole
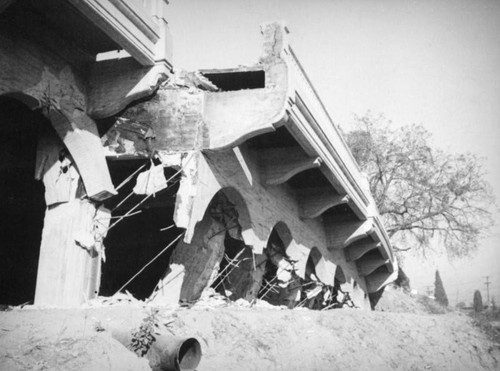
(487, 283)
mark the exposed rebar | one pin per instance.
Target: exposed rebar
(151, 261)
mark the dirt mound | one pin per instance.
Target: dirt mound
(59, 340)
(395, 299)
(244, 338)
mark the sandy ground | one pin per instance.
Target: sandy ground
(238, 337)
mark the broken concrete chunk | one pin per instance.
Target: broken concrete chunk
(168, 290)
(314, 292)
(85, 240)
(284, 275)
(173, 160)
(150, 181)
(100, 227)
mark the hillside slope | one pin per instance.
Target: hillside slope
(242, 338)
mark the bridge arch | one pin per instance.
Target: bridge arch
(283, 232)
(340, 277)
(344, 289)
(230, 205)
(235, 272)
(206, 260)
(64, 166)
(279, 282)
(316, 264)
(29, 101)
(22, 203)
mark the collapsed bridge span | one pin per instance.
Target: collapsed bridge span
(260, 158)
(235, 180)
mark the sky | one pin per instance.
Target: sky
(430, 62)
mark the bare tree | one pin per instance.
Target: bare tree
(422, 192)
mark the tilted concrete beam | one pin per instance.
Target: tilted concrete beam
(316, 201)
(280, 164)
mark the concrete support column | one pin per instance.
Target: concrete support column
(68, 273)
(73, 229)
(200, 260)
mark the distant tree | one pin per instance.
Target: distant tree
(403, 281)
(478, 301)
(439, 292)
(422, 192)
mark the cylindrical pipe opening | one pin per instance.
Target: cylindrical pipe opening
(171, 353)
(189, 355)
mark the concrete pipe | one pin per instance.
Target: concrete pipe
(170, 353)
(167, 353)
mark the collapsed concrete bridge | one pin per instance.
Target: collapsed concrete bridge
(234, 179)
